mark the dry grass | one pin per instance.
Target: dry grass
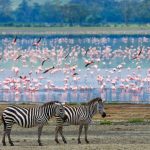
(128, 111)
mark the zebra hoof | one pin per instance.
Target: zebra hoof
(40, 144)
(87, 142)
(65, 142)
(11, 144)
(79, 142)
(4, 144)
(56, 140)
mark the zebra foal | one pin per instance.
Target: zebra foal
(80, 115)
(27, 118)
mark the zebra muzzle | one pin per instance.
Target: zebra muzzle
(104, 115)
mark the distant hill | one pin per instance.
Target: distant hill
(15, 3)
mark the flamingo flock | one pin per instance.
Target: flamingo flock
(60, 64)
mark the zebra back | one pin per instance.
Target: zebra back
(76, 114)
(32, 116)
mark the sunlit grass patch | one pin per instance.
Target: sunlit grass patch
(106, 122)
(136, 120)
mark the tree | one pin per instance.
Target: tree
(50, 13)
(94, 16)
(5, 11)
(144, 11)
(23, 12)
(75, 13)
(36, 13)
(128, 10)
(110, 11)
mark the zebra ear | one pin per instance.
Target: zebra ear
(103, 100)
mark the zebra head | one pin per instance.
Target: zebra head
(95, 105)
(59, 110)
(100, 107)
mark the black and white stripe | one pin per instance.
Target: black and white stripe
(31, 117)
(80, 115)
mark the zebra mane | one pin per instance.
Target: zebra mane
(94, 100)
(50, 103)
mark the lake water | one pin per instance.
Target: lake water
(120, 72)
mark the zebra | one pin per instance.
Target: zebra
(31, 117)
(80, 115)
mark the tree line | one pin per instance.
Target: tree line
(76, 12)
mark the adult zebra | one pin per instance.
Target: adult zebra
(80, 115)
(31, 117)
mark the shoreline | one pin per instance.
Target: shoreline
(75, 31)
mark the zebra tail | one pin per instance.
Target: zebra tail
(3, 120)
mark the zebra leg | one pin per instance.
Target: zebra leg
(4, 135)
(61, 134)
(80, 131)
(39, 134)
(8, 131)
(56, 134)
(3, 139)
(86, 129)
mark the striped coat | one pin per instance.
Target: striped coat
(80, 115)
(27, 118)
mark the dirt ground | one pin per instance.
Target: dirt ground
(119, 134)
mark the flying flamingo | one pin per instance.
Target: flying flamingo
(37, 43)
(87, 51)
(138, 55)
(88, 63)
(74, 74)
(14, 41)
(45, 61)
(67, 55)
(19, 57)
(47, 70)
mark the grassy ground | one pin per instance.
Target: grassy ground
(76, 30)
(101, 137)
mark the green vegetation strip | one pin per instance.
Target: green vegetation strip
(136, 120)
(131, 30)
(106, 122)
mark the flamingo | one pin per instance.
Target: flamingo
(14, 41)
(88, 63)
(67, 55)
(19, 57)
(37, 43)
(138, 54)
(47, 70)
(74, 74)
(103, 55)
(45, 61)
